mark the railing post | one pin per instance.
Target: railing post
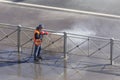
(18, 42)
(65, 56)
(88, 46)
(111, 51)
(65, 46)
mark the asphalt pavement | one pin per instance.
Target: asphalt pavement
(78, 67)
(101, 6)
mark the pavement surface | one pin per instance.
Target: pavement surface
(77, 67)
(102, 6)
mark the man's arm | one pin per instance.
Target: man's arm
(37, 36)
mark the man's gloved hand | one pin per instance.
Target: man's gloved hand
(44, 33)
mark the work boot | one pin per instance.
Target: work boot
(36, 60)
(40, 58)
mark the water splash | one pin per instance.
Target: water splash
(80, 29)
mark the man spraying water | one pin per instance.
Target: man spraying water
(38, 35)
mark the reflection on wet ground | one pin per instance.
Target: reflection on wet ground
(45, 70)
(52, 68)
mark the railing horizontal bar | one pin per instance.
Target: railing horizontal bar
(53, 31)
(6, 27)
(58, 32)
(5, 24)
(116, 40)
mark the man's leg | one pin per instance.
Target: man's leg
(35, 52)
(39, 53)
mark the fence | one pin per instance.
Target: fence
(17, 43)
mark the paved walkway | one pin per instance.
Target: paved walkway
(52, 68)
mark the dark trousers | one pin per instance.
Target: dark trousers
(37, 51)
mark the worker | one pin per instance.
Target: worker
(38, 35)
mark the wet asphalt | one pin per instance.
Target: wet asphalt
(77, 67)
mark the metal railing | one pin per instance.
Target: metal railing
(94, 47)
(20, 40)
